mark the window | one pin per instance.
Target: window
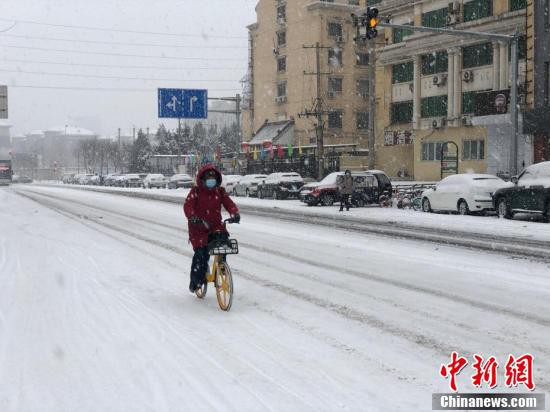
(435, 63)
(547, 84)
(400, 34)
(281, 38)
(335, 84)
(353, 2)
(362, 120)
(372, 2)
(468, 102)
(478, 55)
(431, 151)
(478, 9)
(335, 119)
(402, 73)
(363, 87)
(362, 59)
(281, 14)
(401, 112)
(335, 57)
(433, 106)
(281, 89)
(518, 4)
(335, 30)
(436, 18)
(281, 64)
(473, 150)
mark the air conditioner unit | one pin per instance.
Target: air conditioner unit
(438, 123)
(468, 76)
(280, 99)
(452, 19)
(440, 80)
(339, 39)
(331, 94)
(467, 120)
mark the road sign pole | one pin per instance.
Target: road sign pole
(514, 106)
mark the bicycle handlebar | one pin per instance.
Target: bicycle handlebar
(230, 221)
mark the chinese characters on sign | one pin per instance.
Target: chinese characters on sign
(516, 371)
(397, 138)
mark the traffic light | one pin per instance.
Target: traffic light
(366, 24)
(372, 22)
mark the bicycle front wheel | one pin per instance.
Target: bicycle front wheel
(224, 286)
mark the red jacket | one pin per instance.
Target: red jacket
(206, 204)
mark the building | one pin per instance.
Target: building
(60, 146)
(282, 80)
(537, 117)
(435, 88)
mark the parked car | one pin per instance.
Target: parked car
(110, 179)
(94, 180)
(281, 186)
(68, 178)
(326, 191)
(180, 180)
(528, 193)
(84, 179)
(248, 185)
(21, 179)
(463, 193)
(119, 181)
(133, 180)
(229, 182)
(384, 182)
(154, 180)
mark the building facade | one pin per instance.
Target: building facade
(282, 80)
(437, 88)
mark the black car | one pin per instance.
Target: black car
(281, 186)
(384, 182)
(530, 193)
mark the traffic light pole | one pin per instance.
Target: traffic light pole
(509, 39)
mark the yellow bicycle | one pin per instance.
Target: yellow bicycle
(220, 273)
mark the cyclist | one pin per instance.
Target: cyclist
(203, 211)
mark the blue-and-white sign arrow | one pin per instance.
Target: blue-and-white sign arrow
(183, 103)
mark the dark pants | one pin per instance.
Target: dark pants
(199, 266)
(344, 200)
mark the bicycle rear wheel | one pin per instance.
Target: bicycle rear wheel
(224, 286)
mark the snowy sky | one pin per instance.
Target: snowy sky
(211, 29)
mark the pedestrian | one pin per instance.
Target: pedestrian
(345, 187)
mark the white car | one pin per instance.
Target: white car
(463, 193)
(248, 185)
(85, 179)
(229, 182)
(154, 180)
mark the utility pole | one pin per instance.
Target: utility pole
(318, 110)
(372, 103)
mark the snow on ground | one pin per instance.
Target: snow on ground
(523, 227)
(94, 312)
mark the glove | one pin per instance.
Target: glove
(195, 220)
(236, 218)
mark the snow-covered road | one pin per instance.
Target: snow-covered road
(95, 313)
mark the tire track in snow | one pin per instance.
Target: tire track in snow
(359, 274)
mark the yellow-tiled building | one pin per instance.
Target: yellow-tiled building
(434, 88)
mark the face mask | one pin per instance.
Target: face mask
(210, 183)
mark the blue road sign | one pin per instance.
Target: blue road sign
(183, 103)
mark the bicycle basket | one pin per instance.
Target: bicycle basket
(223, 247)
